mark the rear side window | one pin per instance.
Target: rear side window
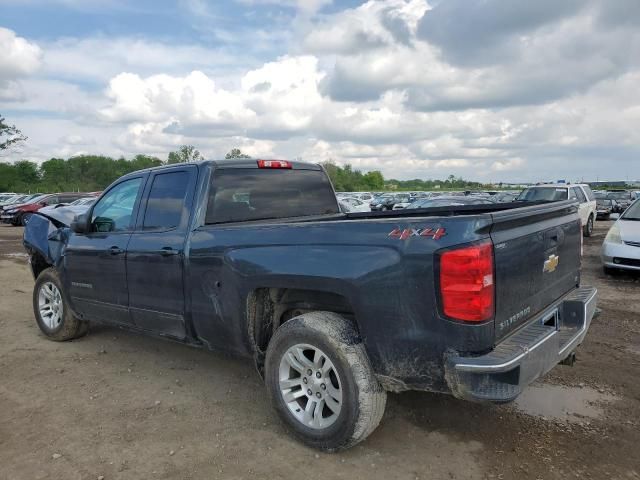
(576, 192)
(238, 195)
(166, 201)
(548, 194)
(590, 196)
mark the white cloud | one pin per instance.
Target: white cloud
(18, 58)
(555, 94)
(191, 100)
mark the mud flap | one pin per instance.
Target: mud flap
(41, 235)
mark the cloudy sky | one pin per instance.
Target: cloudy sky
(487, 89)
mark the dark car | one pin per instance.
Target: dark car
(447, 201)
(623, 199)
(254, 258)
(605, 207)
(387, 201)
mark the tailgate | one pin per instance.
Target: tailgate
(537, 260)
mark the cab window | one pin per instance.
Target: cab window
(114, 211)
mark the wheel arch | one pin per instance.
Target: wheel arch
(269, 307)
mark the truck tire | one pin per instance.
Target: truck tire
(588, 228)
(321, 383)
(53, 314)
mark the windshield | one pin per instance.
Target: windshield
(34, 198)
(633, 212)
(604, 203)
(546, 194)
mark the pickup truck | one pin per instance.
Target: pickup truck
(254, 258)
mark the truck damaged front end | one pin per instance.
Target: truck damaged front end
(45, 238)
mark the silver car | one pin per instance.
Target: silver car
(621, 247)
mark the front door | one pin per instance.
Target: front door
(94, 263)
(155, 254)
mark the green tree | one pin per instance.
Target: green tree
(27, 172)
(9, 135)
(236, 153)
(186, 153)
(373, 180)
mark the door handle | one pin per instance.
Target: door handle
(166, 251)
(115, 251)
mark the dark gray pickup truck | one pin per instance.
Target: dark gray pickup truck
(254, 258)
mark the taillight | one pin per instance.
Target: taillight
(467, 283)
(273, 164)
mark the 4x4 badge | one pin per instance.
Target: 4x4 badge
(403, 234)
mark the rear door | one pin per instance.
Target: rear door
(537, 260)
(155, 255)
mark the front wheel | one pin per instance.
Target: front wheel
(321, 383)
(588, 228)
(53, 315)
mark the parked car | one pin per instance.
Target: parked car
(20, 214)
(6, 196)
(445, 201)
(387, 201)
(17, 199)
(623, 199)
(561, 191)
(621, 247)
(605, 207)
(253, 257)
(504, 197)
(353, 205)
(66, 212)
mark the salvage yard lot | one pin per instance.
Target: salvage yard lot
(122, 406)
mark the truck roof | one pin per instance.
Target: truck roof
(236, 163)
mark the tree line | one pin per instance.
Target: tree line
(88, 173)
(85, 173)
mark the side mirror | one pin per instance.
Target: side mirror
(80, 223)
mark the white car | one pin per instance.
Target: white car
(621, 247)
(554, 192)
(351, 205)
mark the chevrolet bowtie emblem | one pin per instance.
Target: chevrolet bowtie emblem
(551, 263)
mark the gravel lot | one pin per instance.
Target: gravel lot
(116, 405)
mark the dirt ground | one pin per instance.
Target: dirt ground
(116, 405)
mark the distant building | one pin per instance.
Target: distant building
(611, 183)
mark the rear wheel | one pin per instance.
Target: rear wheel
(53, 315)
(588, 228)
(320, 382)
